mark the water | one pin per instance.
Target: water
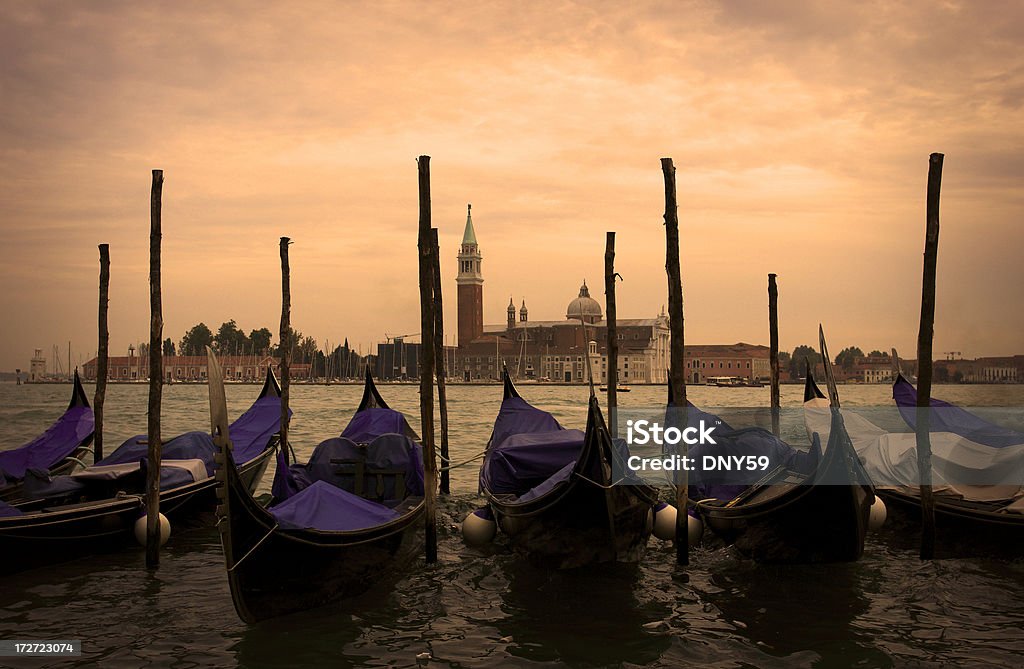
(484, 608)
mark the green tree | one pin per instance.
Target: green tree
(168, 347)
(848, 356)
(802, 357)
(878, 354)
(260, 339)
(230, 340)
(196, 340)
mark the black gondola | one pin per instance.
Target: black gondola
(349, 519)
(95, 509)
(59, 450)
(970, 519)
(571, 513)
(797, 514)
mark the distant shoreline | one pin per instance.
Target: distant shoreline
(464, 383)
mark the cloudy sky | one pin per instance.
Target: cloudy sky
(801, 134)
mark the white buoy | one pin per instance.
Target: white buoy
(877, 516)
(665, 521)
(479, 528)
(694, 530)
(140, 529)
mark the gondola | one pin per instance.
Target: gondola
(337, 525)
(57, 451)
(551, 489)
(809, 508)
(95, 509)
(977, 469)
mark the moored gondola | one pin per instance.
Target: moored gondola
(551, 490)
(95, 509)
(59, 450)
(809, 508)
(338, 524)
(977, 470)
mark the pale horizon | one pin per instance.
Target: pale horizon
(800, 133)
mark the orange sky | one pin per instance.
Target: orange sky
(801, 136)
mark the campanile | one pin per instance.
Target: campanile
(471, 285)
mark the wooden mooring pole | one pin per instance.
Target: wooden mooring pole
(102, 354)
(613, 336)
(677, 362)
(439, 361)
(285, 337)
(925, 336)
(773, 336)
(156, 376)
(426, 267)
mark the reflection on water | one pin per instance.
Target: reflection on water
(483, 608)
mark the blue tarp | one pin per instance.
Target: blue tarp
(49, 448)
(946, 417)
(323, 506)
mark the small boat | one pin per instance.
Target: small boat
(57, 451)
(808, 508)
(337, 525)
(551, 489)
(977, 469)
(95, 509)
(618, 389)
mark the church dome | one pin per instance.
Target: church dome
(585, 306)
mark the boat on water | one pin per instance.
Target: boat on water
(977, 470)
(57, 451)
(551, 491)
(733, 382)
(810, 507)
(339, 523)
(618, 389)
(95, 509)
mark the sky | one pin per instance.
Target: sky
(800, 132)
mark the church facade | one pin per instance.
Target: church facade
(551, 350)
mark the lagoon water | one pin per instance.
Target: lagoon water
(485, 608)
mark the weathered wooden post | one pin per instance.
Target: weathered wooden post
(102, 354)
(439, 361)
(427, 358)
(773, 336)
(677, 357)
(924, 356)
(286, 341)
(156, 376)
(613, 336)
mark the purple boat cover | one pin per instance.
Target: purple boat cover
(188, 446)
(8, 511)
(951, 418)
(322, 506)
(49, 448)
(516, 416)
(369, 424)
(524, 461)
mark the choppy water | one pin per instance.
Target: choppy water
(485, 608)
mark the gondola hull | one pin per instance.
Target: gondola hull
(581, 525)
(61, 533)
(961, 528)
(797, 523)
(274, 572)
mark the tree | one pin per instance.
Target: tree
(848, 356)
(196, 340)
(784, 361)
(260, 339)
(803, 356)
(878, 354)
(168, 347)
(230, 340)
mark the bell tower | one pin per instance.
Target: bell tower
(471, 285)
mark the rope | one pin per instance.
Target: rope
(599, 485)
(258, 544)
(464, 462)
